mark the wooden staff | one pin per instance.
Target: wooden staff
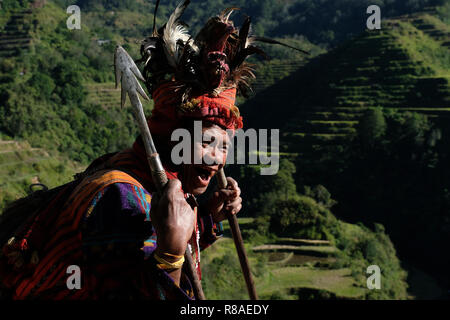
(238, 242)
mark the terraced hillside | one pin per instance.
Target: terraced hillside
(302, 267)
(270, 72)
(103, 94)
(292, 274)
(267, 73)
(403, 66)
(14, 33)
(22, 165)
(293, 269)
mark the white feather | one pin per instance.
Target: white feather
(194, 46)
(174, 32)
(249, 39)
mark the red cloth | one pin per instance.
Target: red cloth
(169, 112)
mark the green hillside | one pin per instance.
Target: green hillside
(287, 275)
(298, 268)
(57, 91)
(403, 66)
(103, 94)
(59, 69)
(67, 75)
(21, 165)
(369, 120)
(14, 35)
(327, 22)
(383, 166)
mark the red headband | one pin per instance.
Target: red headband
(168, 112)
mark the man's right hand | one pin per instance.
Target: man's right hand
(173, 219)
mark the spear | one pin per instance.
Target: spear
(126, 72)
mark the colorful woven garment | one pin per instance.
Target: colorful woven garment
(104, 227)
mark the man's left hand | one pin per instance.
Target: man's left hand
(225, 201)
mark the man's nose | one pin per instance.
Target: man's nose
(214, 156)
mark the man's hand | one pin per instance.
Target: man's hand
(225, 201)
(173, 219)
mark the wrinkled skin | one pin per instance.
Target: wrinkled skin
(173, 217)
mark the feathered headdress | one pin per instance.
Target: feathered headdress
(211, 64)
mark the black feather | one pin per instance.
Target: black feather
(273, 41)
(154, 17)
(244, 31)
(243, 54)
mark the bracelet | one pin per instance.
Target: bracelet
(165, 265)
(172, 255)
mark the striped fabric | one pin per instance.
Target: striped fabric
(104, 227)
(62, 246)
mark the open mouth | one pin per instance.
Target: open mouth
(204, 174)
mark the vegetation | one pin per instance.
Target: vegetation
(282, 212)
(46, 102)
(21, 165)
(327, 23)
(367, 120)
(402, 158)
(364, 132)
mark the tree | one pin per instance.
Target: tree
(43, 84)
(372, 127)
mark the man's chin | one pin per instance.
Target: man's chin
(198, 190)
(194, 184)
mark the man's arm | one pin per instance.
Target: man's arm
(117, 225)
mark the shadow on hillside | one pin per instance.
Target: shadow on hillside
(422, 286)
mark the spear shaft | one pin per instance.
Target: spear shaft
(159, 177)
(127, 71)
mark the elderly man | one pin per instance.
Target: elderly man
(104, 236)
(109, 234)
(126, 245)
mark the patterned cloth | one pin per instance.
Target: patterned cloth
(116, 225)
(169, 112)
(101, 223)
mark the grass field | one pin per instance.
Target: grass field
(286, 279)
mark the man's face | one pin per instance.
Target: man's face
(213, 151)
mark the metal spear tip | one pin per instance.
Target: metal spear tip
(126, 73)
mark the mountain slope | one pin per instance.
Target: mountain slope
(14, 35)
(403, 66)
(21, 165)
